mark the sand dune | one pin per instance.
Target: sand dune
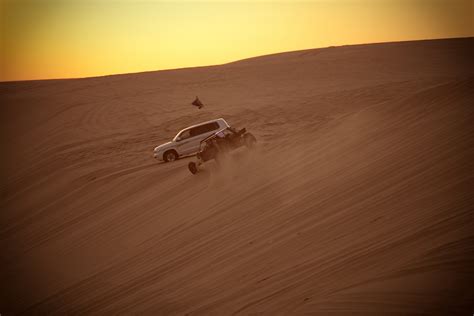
(358, 199)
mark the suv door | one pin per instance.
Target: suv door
(197, 133)
(182, 143)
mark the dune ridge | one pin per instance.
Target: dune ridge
(358, 199)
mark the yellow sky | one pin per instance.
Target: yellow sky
(80, 38)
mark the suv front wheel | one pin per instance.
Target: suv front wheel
(170, 155)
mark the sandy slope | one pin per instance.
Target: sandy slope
(358, 200)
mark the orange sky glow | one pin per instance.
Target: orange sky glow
(44, 39)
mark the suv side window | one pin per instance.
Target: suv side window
(198, 130)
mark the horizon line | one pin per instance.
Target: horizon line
(236, 61)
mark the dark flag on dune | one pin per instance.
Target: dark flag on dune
(197, 103)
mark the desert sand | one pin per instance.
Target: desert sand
(358, 199)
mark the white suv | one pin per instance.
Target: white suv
(187, 141)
